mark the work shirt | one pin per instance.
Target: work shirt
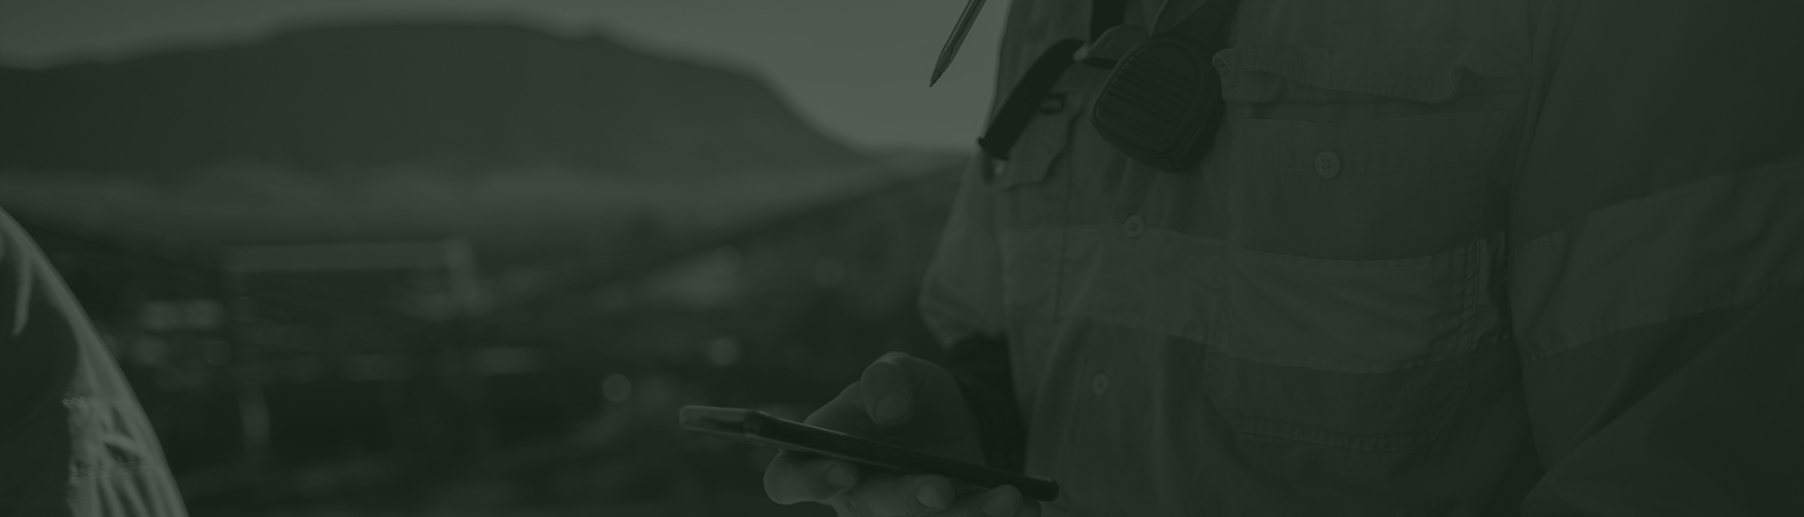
(1488, 257)
(73, 440)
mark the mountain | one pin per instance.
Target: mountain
(440, 96)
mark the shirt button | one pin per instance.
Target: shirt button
(1133, 226)
(1000, 168)
(1099, 384)
(1327, 164)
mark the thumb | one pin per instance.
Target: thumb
(889, 385)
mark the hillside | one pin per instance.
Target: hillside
(443, 97)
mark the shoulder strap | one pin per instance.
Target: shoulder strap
(1105, 14)
(1024, 99)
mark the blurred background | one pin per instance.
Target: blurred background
(467, 257)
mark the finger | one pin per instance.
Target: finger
(845, 412)
(1002, 501)
(1029, 508)
(888, 388)
(890, 496)
(793, 479)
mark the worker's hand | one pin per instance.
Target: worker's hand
(904, 401)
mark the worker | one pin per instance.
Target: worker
(73, 439)
(1494, 257)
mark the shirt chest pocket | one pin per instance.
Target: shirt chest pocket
(1364, 153)
(1357, 278)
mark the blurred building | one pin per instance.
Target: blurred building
(275, 373)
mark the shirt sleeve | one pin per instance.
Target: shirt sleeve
(1657, 253)
(961, 302)
(961, 292)
(73, 440)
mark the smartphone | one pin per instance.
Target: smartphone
(761, 429)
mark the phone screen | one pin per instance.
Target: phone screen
(761, 429)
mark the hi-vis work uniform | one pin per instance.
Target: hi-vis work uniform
(1488, 257)
(73, 440)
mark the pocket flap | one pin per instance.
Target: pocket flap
(1369, 148)
(1402, 187)
(1271, 72)
(1042, 141)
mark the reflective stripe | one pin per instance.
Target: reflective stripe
(1712, 243)
(1354, 316)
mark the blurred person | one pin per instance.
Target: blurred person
(1502, 257)
(73, 440)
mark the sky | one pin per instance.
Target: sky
(856, 69)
